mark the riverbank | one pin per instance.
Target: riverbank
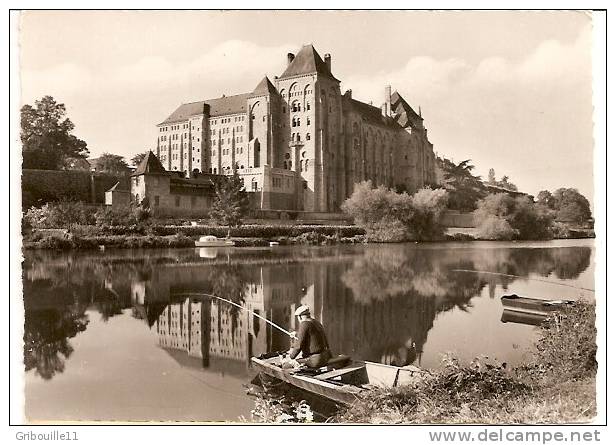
(129, 237)
(92, 237)
(557, 387)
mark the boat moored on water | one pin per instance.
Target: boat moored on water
(528, 310)
(212, 241)
(342, 380)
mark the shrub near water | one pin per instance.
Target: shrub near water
(567, 348)
(500, 216)
(388, 216)
(245, 231)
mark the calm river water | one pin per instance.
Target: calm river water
(108, 335)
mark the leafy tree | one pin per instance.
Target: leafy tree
(110, 163)
(500, 216)
(545, 198)
(46, 136)
(389, 216)
(492, 177)
(464, 188)
(504, 183)
(231, 202)
(136, 160)
(571, 205)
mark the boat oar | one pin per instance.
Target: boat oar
(527, 278)
(280, 328)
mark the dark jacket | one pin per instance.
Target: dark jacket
(311, 339)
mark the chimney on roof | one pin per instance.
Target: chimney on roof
(349, 94)
(328, 62)
(290, 57)
(388, 101)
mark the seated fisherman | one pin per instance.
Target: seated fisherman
(311, 341)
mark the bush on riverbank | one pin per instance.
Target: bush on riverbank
(387, 216)
(500, 216)
(558, 387)
(245, 231)
(54, 242)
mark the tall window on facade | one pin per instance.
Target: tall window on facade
(177, 201)
(307, 136)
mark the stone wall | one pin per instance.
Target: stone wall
(42, 186)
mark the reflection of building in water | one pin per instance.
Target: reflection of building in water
(184, 326)
(210, 328)
(395, 326)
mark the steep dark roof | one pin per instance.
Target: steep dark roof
(368, 112)
(264, 88)
(403, 112)
(149, 164)
(307, 61)
(218, 107)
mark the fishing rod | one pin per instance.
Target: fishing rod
(280, 328)
(527, 278)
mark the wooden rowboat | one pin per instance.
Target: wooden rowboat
(342, 385)
(527, 310)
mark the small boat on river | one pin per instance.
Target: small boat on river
(342, 380)
(212, 241)
(527, 310)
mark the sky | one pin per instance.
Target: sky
(510, 90)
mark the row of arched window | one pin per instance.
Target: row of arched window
(296, 137)
(296, 121)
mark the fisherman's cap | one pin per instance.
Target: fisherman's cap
(303, 309)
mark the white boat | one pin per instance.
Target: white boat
(212, 241)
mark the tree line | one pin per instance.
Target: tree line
(467, 190)
(48, 142)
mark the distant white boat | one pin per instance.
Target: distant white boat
(212, 241)
(274, 243)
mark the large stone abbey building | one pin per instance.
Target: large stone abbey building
(297, 141)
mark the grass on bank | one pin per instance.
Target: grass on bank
(557, 387)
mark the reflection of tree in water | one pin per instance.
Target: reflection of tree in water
(397, 293)
(403, 289)
(46, 334)
(566, 263)
(400, 271)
